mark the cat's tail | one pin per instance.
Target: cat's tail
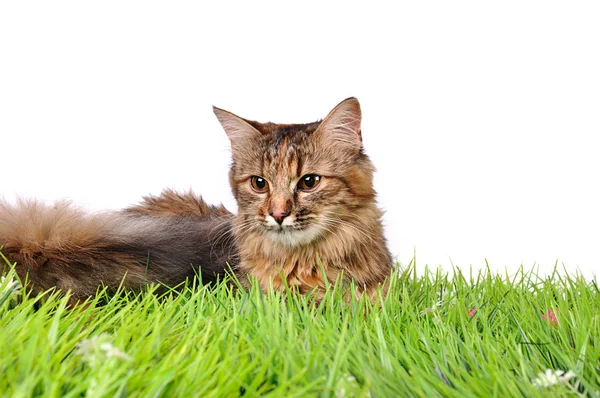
(173, 204)
(61, 246)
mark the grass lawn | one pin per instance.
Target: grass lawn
(435, 335)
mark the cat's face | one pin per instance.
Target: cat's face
(295, 183)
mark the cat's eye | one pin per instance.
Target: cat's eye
(309, 182)
(259, 184)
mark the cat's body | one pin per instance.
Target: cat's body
(307, 212)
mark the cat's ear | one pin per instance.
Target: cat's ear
(342, 125)
(237, 129)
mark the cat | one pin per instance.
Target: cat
(307, 217)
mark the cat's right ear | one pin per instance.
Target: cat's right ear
(341, 128)
(237, 129)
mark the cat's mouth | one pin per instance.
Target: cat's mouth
(293, 237)
(292, 234)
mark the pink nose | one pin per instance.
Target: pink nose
(279, 215)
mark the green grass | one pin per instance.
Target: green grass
(226, 342)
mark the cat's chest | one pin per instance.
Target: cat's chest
(304, 272)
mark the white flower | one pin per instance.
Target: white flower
(550, 378)
(7, 284)
(97, 348)
(428, 311)
(348, 381)
(433, 312)
(112, 351)
(433, 308)
(445, 297)
(89, 346)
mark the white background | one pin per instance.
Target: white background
(483, 119)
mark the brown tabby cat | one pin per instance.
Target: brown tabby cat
(306, 211)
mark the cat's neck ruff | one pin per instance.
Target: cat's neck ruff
(355, 248)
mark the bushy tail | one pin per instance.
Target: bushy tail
(61, 246)
(174, 204)
(56, 245)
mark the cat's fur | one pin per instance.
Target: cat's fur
(61, 246)
(282, 236)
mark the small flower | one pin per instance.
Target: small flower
(12, 285)
(551, 318)
(112, 351)
(428, 311)
(472, 312)
(432, 309)
(97, 348)
(446, 296)
(89, 346)
(348, 382)
(551, 378)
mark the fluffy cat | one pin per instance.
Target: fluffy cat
(307, 212)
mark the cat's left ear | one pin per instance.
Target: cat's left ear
(237, 129)
(342, 125)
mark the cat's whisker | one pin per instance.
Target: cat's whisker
(225, 238)
(242, 228)
(227, 234)
(339, 222)
(350, 225)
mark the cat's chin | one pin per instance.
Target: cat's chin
(293, 238)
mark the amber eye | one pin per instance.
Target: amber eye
(309, 182)
(259, 184)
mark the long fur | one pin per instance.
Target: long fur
(62, 246)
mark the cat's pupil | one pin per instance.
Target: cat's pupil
(259, 184)
(310, 181)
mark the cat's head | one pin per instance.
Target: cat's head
(295, 183)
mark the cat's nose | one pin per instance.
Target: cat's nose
(279, 215)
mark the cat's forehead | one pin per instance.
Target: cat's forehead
(277, 133)
(284, 148)
(286, 143)
(283, 152)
